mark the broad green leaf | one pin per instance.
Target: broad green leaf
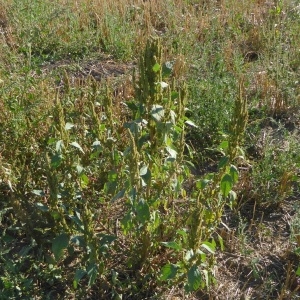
(210, 247)
(183, 233)
(191, 123)
(143, 170)
(78, 240)
(96, 144)
(206, 276)
(224, 145)
(68, 126)
(168, 272)
(107, 239)
(298, 271)
(145, 174)
(142, 211)
(156, 67)
(118, 195)
(201, 184)
(226, 184)
(163, 84)
(127, 223)
(157, 112)
(194, 278)
(172, 152)
(56, 160)
(92, 272)
(78, 275)
(38, 192)
(84, 180)
(42, 207)
(232, 199)
(189, 254)
(60, 243)
(76, 145)
(172, 245)
(59, 145)
(223, 162)
(167, 68)
(79, 169)
(234, 173)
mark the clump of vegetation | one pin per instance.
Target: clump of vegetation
(171, 179)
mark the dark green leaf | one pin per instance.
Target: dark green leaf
(143, 211)
(194, 278)
(118, 195)
(172, 245)
(56, 160)
(167, 69)
(60, 243)
(223, 162)
(92, 272)
(78, 275)
(78, 240)
(107, 239)
(42, 207)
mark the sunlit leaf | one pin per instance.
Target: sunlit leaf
(156, 67)
(189, 254)
(68, 126)
(143, 170)
(59, 145)
(191, 123)
(172, 152)
(76, 145)
(224, 145)
(210, 247)
(172, 245)
(226, 184)
(42, 207)
(38, 192)
(163, 84)
(168, 272)
(84, 181)
(157, 112)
